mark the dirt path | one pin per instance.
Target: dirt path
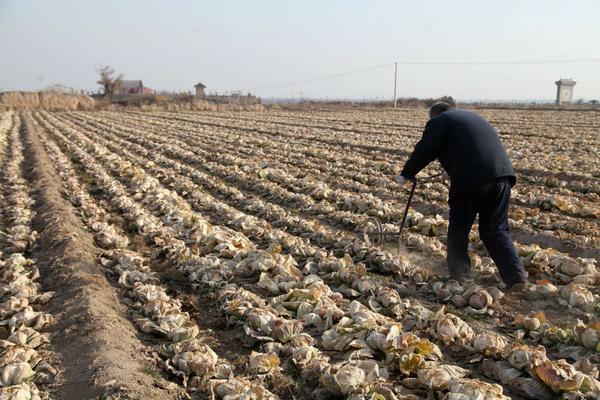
(99, 354)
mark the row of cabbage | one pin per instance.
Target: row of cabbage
(560, 267)
(283, 330)
(184, 349)
(340, 173)
(480, 300)
(552, 186)
(536, 196)
(526, 149)
(520, 122)
(347, 175)
(23, 354)
(557, 130)
(336, 340)
(288, 331)
(319, 191)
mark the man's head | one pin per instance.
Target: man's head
(439, 108)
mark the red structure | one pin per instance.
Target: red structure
(133, 88)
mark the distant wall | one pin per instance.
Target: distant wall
(242, 100)
(46, 100)
(58, 101)
(155, 102)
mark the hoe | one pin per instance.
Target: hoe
(373, 232)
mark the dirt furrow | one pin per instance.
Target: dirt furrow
(100, 353)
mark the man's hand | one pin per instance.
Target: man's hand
(401, 180)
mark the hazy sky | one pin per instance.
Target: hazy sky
(238, 45)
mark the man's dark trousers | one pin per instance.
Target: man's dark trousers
(491, 202)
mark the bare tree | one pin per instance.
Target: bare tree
(109, 81)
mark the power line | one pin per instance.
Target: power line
(358, 71)
(576, 60)
(423, 63)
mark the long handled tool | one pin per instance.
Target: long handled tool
(373, 232)
(410, 196)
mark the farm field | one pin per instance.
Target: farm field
(221, 255)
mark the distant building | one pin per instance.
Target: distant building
(200, 90)
(128, 87)
(233, 98)
(564, 91)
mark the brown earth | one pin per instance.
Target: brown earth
(98, 351)
(45, 100)
(58, 101)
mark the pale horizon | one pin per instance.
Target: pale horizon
(283, 50)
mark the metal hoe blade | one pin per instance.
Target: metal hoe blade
(410, 196)
(374, 237)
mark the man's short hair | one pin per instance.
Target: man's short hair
(439, 108)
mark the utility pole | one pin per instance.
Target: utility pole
(395, 81)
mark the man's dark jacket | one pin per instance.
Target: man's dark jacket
(468, 148)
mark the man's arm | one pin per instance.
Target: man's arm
(427, 149)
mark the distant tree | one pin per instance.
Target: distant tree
(446, 99)
(109, 80)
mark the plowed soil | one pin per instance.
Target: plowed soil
(99, 353)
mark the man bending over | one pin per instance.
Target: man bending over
(481, 177)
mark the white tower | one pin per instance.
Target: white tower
(564, 91)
